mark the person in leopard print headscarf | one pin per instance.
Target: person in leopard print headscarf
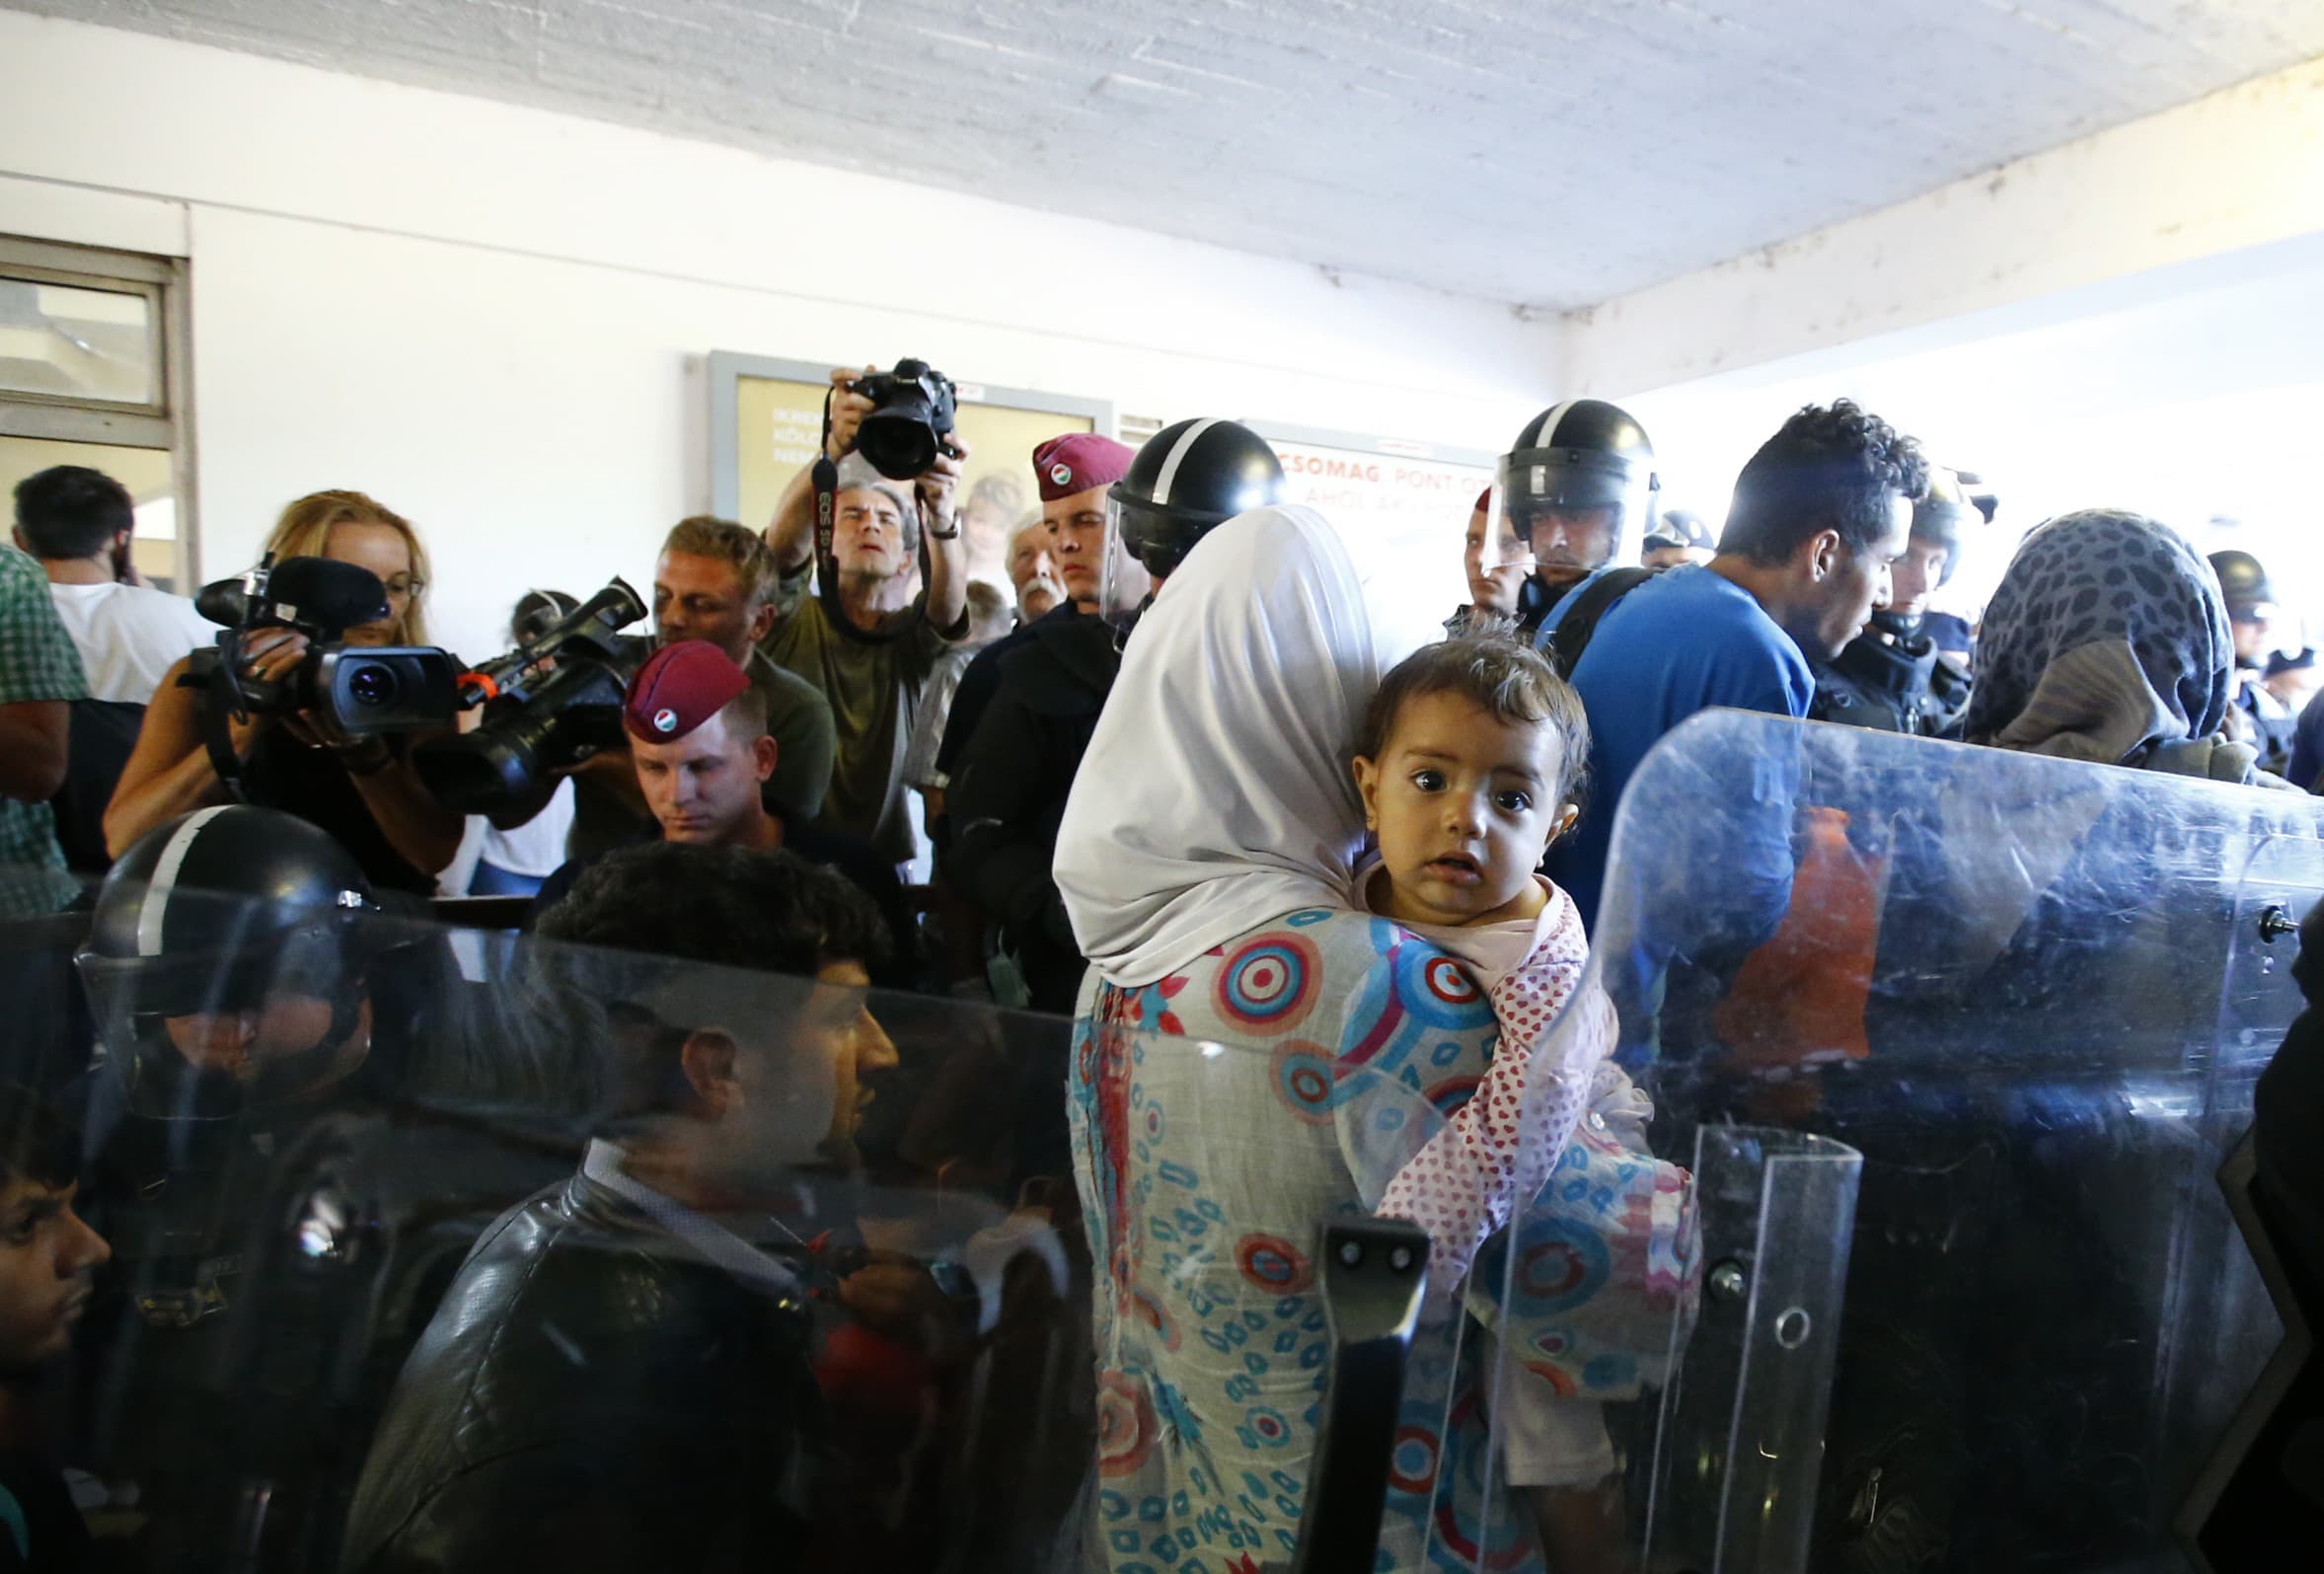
(2108, 642)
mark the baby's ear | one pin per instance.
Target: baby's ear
(1368, 788)
(1567, 813)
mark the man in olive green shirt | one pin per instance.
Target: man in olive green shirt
(870, 646)
(715, 581)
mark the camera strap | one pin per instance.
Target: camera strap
(825, 478)
(206, 672)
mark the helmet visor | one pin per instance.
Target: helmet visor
(1124, 586)
(1493, 558)
(256, 1011)
(1566, 513)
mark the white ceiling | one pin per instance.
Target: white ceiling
(1551, 152)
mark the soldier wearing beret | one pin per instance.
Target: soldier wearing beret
(699, 743)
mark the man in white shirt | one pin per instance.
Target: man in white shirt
(78, 523)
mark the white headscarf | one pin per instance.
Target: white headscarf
(1215, 793)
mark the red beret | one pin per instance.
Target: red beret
(1079, 461)
(1485, 501)
(679, 687)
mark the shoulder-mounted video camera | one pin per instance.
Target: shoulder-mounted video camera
(348, 690)
(547, 704)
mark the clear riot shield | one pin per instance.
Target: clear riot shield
(443, 1248)
(1949, 1045)
(46, 1040)
(447, 1249)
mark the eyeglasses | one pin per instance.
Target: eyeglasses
(404, 588)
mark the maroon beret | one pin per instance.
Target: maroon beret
(1485, 501)
(1079, 461)
(679, 687)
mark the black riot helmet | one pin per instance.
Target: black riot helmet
(1187, 479)
(1943, 514)
(2244, 585)
(1567, 464)
(224, 912)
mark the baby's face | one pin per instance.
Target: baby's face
(1465, 806)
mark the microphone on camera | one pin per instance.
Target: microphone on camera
(323, 592)
(318, 594)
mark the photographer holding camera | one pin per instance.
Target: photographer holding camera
(362, 790)
(860, 637)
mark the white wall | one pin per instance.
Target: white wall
(2237, 169)
(493, 318)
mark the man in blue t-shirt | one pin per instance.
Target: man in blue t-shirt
(1820, 513)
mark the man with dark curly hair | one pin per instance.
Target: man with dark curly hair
(619, 1377)
(1820, 513)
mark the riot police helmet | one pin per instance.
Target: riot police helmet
(1577, 487)
(1187, 479)
(1944, 514)
(1941, 518)
(2244, 585)
(226, 961)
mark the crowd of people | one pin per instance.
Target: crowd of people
(1175, 782)
(886, 675)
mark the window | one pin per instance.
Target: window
(93, 372)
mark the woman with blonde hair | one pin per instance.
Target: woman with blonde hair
(362, 790)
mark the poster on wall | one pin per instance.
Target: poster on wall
(767, 421)
(1401, 507)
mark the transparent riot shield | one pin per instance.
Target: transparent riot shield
(2246, 1505)
(433, 1248)
(1946, 1047)
(46, 1039)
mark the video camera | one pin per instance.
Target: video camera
(547, 704)
(915, 404)
(347, 690)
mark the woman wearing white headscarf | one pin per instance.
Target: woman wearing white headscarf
(1204, 859)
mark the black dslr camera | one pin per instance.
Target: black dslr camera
(903, 435)
(549, 705)
(347, 690)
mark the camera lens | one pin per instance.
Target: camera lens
(372, 685)
(897, 440)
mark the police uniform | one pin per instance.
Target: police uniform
(1904, 684)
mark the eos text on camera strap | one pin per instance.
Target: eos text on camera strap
(825, 479)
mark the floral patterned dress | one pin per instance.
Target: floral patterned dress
(1221, 1116)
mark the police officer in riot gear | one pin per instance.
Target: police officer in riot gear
(1576, 490)
(206, 928)
(2251, 614)
(229, 966)
(1188, 480)
(1681, 537)
(1008, 796)
(1893, 677)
